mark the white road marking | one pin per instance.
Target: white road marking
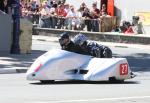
(102, 99)
(92, 100)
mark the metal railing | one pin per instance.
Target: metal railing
(104, 24)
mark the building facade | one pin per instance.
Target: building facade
(125, 9)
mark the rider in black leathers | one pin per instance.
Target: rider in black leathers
(92, 48)
(67, 44)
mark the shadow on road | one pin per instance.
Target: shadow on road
(138, 61)
(83, 82)
(21, 60)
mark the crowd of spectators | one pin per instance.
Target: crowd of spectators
(127, 27)
(60, 15)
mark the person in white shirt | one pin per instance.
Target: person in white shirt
(80, 21)
(72, 18)
(44, 20)
(67, 9)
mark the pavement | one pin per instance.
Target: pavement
(19, 63)
(15, 63)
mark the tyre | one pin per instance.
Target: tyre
(47, 81)
(114, 80)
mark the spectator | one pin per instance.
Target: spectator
(67, 9)
(103, 11)
(33, 5)
(22, 3)
(72, 20)
(129, 30)
(44, 21)
(124, 26)
(80, 22)
(83, 6)
(4, 6)
(95, 15)
(136, 26)
(24, 10)
(35, 19)
(53, 14)
(49, 3)
(61, 2)
(87, 16)
(61, 13)
(38, 2)
(116, 28)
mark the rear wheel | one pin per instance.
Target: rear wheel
(47, 81)
(114, 80)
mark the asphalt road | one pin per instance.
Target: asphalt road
(14, 88)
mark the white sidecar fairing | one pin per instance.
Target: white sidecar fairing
(63, 65)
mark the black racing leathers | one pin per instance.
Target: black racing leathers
(92, 48)
(72, 48)
(98, 50)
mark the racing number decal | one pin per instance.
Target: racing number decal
(124, 69)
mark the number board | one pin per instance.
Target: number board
(124, 69)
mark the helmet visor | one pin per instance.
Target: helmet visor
(63, 41)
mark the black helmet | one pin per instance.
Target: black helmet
(64, 35)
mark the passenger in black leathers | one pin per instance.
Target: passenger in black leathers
(92, 48)
(67, 44)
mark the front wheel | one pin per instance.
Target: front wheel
(47, 81)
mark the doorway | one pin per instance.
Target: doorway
(109, 6)
(103, 2)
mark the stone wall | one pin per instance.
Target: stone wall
(25, 41)
(98, 36)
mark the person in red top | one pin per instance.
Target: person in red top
(129, 30)
(61, 13)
